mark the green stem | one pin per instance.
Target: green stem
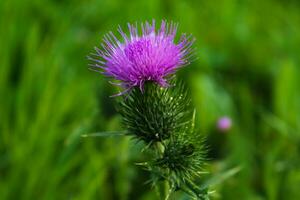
(167, 192)
(164, 187)
(164, 190)
(200, 193)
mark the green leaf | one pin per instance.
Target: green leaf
(106, 134)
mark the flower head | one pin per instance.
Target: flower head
(224, 124)
(152, 55)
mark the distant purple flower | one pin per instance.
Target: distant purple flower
(152, 55)
(224, 124)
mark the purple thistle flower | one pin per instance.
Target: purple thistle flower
(152, 55)
(224, 124)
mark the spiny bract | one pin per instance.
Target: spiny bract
(157, 113)
(183, 156)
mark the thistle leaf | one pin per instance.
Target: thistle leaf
(106, 134)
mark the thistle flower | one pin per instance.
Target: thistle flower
(224, 124)
(152, 112)
(152, 55)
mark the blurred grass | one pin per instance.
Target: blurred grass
(248, 69)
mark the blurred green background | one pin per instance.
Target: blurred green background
(247, 69)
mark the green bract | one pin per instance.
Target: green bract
(155, 113)
(163, 119)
